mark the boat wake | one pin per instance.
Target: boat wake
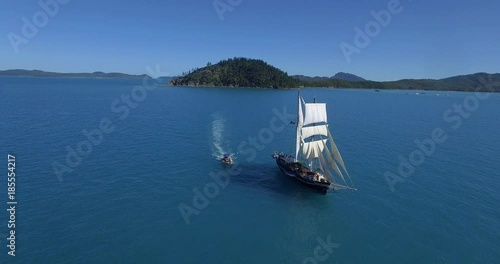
(219, 147)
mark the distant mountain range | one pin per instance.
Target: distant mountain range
(348, 77)
(339, 76)
(37, 73)
(469, 82)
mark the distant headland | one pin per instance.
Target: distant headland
(252, 73)
(37, 73)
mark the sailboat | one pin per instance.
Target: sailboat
(317, 163)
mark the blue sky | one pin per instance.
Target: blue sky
(427, 39)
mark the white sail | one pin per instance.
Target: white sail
(300, 120)
(314, 131)
(333, 165)
(315, 113)
(313, 149)
(324, 167)
(336, 154)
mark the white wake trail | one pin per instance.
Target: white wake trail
(218, 127)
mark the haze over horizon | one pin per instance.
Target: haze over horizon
(423, 39)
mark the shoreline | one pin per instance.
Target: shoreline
(342, 88)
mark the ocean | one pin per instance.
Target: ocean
(113, 171)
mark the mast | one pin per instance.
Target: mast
(298, 126)
(298, 108)
(314, 139)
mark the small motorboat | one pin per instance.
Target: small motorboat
(227, 159)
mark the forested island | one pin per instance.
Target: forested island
(244, 72)
(238, 72)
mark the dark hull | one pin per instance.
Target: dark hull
(288, 169)
(227, 161)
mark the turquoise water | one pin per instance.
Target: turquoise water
(120, 204)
